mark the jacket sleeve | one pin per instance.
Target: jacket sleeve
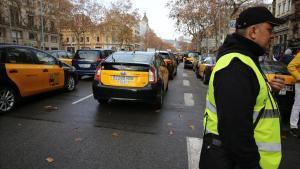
(236, 88)
(294, 67)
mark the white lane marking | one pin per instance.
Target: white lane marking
(80, 100)
(188, 99)
(186, 83)
(184, 75)
(194, 146)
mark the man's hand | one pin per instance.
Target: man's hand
(277, 83)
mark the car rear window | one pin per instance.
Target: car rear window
(145, 58)
(88, 54)
(164, 55)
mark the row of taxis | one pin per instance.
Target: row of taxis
(135, 75)
(26, 71)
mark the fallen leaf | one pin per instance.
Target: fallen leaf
(78, 140)
(49, 159)
(169, 124)
(115, 134)
(171, 132)
(51, 108)
(192, 127)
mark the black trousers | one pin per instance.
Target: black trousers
(213, 155)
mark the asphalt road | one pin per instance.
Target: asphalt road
(71, 130)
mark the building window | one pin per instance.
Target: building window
(87, 39)
(81, 39)
(52, 26)
(32, 36)
(14, 16)
(2, 32)
(98, 39)
(53, 39)
(73, 39)
(67, 40)
(30, 21)
(46, 38)
(283, 8)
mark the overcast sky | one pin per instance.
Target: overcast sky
(157, 14)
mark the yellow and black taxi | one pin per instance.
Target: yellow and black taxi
(170, 60)
(26, 71)
(205, 68)
(285, 97)
(64, 56)
(136, 76)
(189, 59)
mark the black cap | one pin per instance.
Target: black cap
(256, 15)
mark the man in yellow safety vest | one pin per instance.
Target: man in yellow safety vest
(241, 121)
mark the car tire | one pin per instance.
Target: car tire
(9, 99)
(70, 84)
(205, 78)
(102, 101)
(159, 100)
(184, 66)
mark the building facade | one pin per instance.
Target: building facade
(286, 35)
(23, 22)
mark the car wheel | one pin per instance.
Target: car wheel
(159, 99)
(8, 99)
(102, 101)
(205, 78)
(70, 84)
(184, 66)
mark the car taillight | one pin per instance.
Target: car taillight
(168, 61)
(99, 59)
(152, 75)
(98, 73)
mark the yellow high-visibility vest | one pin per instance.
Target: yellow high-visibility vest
(267, 131)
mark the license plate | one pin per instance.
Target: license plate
(84, 65)
(122, 79)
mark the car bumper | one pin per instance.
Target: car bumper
(188, 64)
(145, 94)
(86, 72)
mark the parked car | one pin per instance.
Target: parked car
(171, 63)
(26, 71)
(205, 68)
(135, 76)
(285, 97)
(86, 60)
(64, 56)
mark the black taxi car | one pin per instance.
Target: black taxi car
(136, 76)
(26, 71)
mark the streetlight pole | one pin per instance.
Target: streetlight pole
(42, 25)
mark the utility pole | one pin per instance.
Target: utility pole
(42, 25)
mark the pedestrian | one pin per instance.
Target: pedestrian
(294, 69)
(241, 121)
(287, 57)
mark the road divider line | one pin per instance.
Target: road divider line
(194, 146)
(184, 75)
(186, 83)
(188, 99)
(82, 99)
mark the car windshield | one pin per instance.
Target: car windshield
(88, 54)
(274, 67)
(194, 55)
(210, 60)
(145, 58)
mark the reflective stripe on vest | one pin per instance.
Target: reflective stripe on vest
(271, 147)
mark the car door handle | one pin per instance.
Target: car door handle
(45, 70)
(13, 71)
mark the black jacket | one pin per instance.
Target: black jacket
(236, 88)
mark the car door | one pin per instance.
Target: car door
(53, 74)
(21, 69)
(163, 70)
